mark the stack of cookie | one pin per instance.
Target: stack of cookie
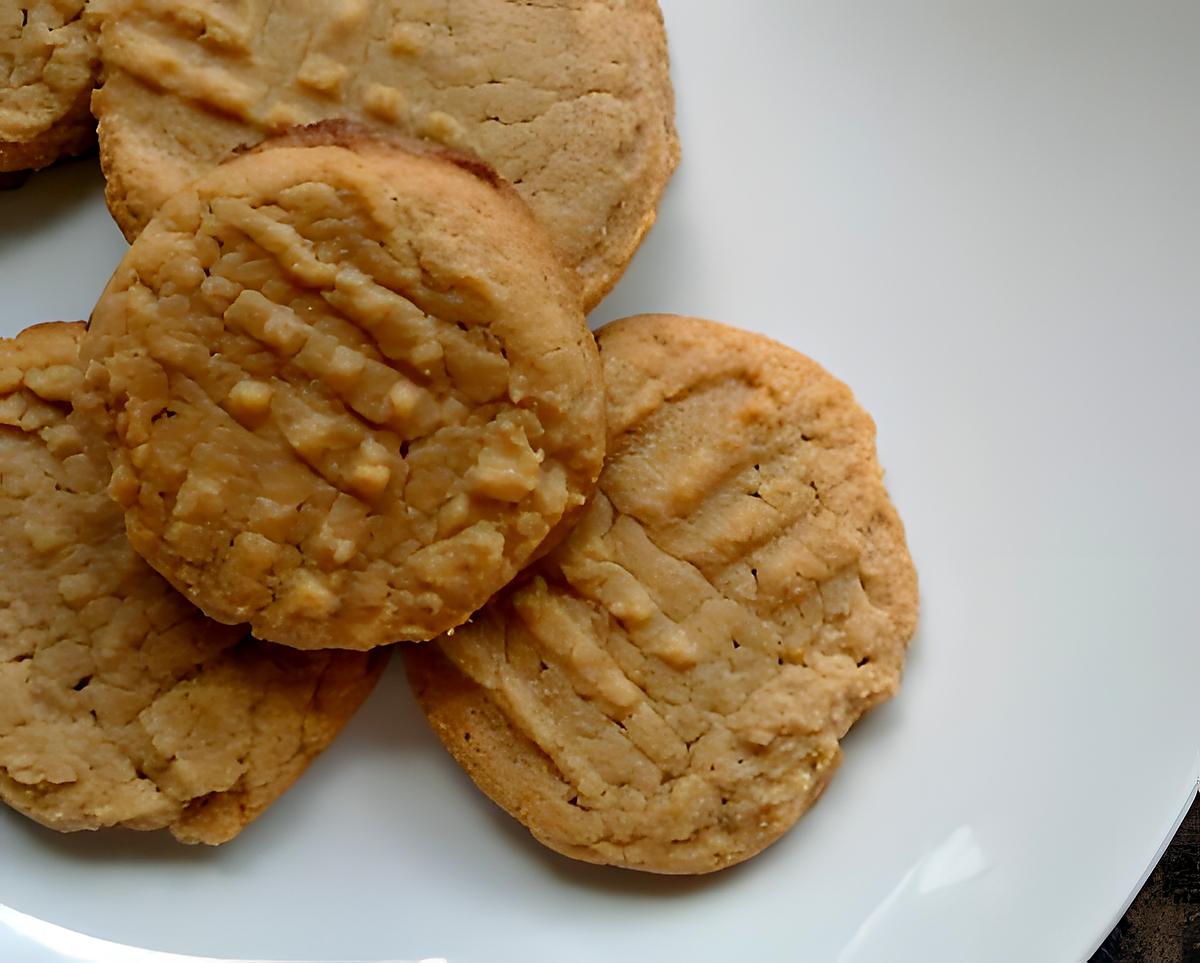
(340, 395)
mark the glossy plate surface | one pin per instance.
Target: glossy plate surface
(983, 216)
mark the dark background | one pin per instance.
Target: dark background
(1163, 924)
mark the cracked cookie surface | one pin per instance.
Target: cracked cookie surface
(666, 691)
(48, 66)
(120, 703)
(570, 101)
(352, 388)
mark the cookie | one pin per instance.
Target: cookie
(667, 690)
(570, 101)
(352, 388)
(120, 703)
(48, 67)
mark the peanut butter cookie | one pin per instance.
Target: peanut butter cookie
(48, 67)
(569, 101)
(352, 389)
(667, 690)
(120, 704)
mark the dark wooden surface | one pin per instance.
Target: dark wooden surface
(1163, 924)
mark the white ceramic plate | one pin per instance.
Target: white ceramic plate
(983, 216)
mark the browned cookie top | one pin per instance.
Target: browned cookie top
(121, 704)
(48, 67)
(571, 101)
(667, 690)
(351, 386)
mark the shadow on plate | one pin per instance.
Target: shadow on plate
(45, 197)
(658, 279)
(115, 846)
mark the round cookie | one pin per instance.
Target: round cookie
(569, 101)
(352, 388)
(120, 704)
(667, 690)
(48, 66)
